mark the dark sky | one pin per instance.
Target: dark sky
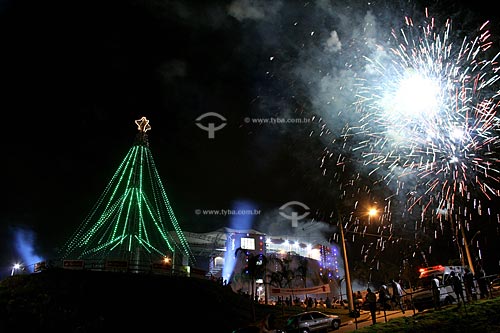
(76, 74)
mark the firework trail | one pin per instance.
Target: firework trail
(429, 113)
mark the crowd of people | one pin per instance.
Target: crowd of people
(466, 286)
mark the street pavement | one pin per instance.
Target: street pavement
(365, 319)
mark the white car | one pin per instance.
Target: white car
(312, 321)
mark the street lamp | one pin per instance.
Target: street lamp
(15, 268)
(371, 212)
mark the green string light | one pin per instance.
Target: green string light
(133, 217)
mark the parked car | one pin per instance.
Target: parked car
(340, 304)
(495, 284)
(312, 321)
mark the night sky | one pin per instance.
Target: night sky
(76, 75)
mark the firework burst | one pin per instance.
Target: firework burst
(429, 114)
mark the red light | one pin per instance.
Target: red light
(433, 268)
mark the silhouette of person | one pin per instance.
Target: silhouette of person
(371, 299)
(436, 293)
(456, 284)
(384, 296)
(468, 283)
(481, 281)
(397, 293)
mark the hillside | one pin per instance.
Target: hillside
(59, 300)
(68, 301)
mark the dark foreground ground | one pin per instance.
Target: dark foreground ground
(58, 300)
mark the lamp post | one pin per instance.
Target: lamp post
(467, 252)
(348, 286)
(464, 239)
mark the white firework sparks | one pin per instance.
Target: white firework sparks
(429, 110)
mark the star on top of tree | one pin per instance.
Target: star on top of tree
(143, 124)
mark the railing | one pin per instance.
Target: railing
(129, 266)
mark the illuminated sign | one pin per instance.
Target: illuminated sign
(247, 243)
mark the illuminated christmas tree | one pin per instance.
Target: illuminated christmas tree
(132, 220)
